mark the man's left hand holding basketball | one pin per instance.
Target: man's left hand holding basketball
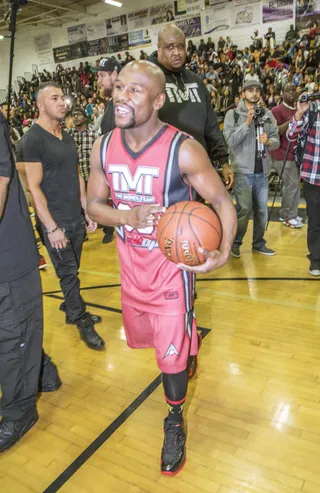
(197, 171)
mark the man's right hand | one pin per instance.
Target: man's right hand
(144, 216)
(58, 239)
(250, 116)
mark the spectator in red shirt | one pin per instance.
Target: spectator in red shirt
(291, 173)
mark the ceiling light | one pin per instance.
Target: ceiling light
(114, 3)
(1, 37)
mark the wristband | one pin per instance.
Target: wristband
(50, 232)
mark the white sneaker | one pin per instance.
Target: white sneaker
(299, 218)
(315, 272)
(293, 223)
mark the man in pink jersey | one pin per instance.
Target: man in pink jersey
(146, 166)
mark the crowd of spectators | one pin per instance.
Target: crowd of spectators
(221, 65)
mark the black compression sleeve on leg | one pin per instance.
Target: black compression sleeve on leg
(175, 390)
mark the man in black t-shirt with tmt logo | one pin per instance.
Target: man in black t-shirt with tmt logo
(51, 163)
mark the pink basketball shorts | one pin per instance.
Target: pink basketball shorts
(174, 337)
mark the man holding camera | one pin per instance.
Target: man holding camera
(305, 127)
(251, 132)
(288, 171)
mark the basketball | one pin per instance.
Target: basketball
(184, 228)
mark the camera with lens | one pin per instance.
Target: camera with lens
(259, 112)
(304, 98)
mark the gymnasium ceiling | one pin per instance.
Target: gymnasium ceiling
(49, 12)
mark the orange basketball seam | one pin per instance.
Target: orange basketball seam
(164, 227)
(195, 234)
(176, 243)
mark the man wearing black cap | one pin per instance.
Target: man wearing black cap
(107, 70)
(251, 133)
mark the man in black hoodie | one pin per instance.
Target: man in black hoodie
(188, 105)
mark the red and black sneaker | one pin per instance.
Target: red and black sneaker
(173, 456)
(192, 365)
(42, 263)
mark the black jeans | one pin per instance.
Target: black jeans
(21, 331)
(66, 263)
(312, 196)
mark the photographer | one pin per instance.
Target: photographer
(290, 173)
(250, 162)
(305, 128)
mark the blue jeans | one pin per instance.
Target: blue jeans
(251, 194)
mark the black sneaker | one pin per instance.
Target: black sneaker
(49, 378)
(264, 251)
(108, 237)
(192, 365)
(88, 333)
(235, 251)
(96, 319)
(12, 431)
(173, 456)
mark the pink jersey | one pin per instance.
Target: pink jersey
(149, 282)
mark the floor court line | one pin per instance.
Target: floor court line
(204, 279)
(93, 305)
(61, 480)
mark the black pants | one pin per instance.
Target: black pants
(66, 263)
(21, 331)
(312, 196)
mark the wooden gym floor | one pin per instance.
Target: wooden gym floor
(253, 411)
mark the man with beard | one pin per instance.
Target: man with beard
(291, 173)
(251, 167)
(145, 161)
(51, 162)
(107, 71)
(24, 368)
(188, 105)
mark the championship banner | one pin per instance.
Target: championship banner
(61, 54)
(98, 47)
(307, 13)
(43, 47)
(138, 19)
(96, 31)
(162, 13)
(141, 38)
(118, 43)
(190, 27)
(77, 34)
(246, 13)
(117, 25)
(277, 10)
(216, 18)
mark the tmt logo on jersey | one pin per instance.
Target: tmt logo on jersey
(141, 183)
